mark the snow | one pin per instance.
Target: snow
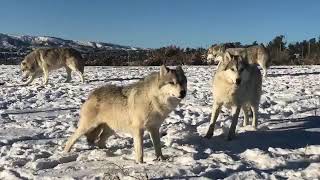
(7, 44)
(35, 122)
(47, 39)
(86, 43)
(99, 45)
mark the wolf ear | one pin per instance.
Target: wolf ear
(227, 56)
(245, 63)
(222, 48)
(179, 68)
(163, 70)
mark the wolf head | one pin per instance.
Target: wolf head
(234, 68)
(214, 52)
(29, 67)
(172, 82)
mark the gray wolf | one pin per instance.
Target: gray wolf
(256, 54)
(236, 84)
(43, 60)
(132, 109)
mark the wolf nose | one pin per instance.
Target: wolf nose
(238, 81)
(182, 94)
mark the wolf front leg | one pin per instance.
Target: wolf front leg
(30, 80)
(263, 64)
(68, 70)
(155, 136)
(45, 74)
(235, 116)
(214, 116)
(265, 74)
(138, 145)
(245, 116)
(254, 109)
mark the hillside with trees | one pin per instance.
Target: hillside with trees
(13, 49)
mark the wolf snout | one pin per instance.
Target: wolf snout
(210, 57)
(238, 81)
(183, 94)
(24, 79)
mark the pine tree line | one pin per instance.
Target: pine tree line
(306, 52)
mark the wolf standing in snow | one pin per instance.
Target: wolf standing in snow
(43, 60)
(131, 109)
(236, 85)
(253, 54)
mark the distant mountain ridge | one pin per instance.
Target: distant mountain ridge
(14, 48)
(28, 42)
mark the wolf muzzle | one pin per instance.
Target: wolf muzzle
(24, 78)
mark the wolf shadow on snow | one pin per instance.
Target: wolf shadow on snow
(297, 136)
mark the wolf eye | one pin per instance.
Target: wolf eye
(233, 69)
(171, 82)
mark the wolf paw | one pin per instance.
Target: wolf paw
(139, 161)
(253, 128)
(102, 146)
(161, 158)
(230, 137)
(208, 136)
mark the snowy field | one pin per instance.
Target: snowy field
(35, 122)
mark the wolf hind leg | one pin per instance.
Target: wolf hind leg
(106, 133)
(99, 135)
(84, 127)
(68, 70)
(71, 63)
(93, 135)
(138, 145)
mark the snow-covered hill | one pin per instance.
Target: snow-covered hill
(35, 122)
(26, 41)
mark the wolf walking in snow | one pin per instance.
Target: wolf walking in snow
(253, 54)
(43, 60)
(236, 85)
(132, 109)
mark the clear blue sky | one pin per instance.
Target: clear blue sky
(150, 23)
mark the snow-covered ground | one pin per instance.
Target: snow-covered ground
(35, 122)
